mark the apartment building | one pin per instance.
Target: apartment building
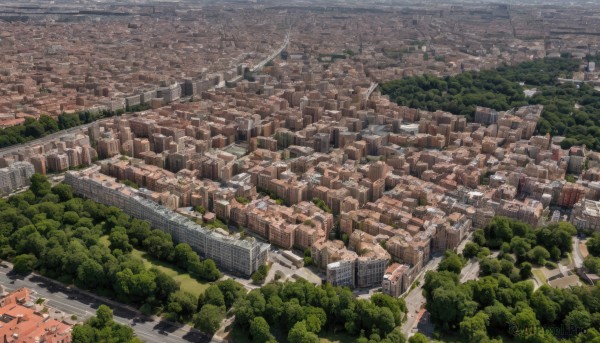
(586, 215)
(15, 176)
(238, 256)
(342, 273)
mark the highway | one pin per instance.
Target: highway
(84, 305)
(273, 55)
(260, 64)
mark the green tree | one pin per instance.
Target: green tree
(213, 296)
(525, 271)
(209, 318)
(471, 249)
(104, 317)
(451, 262)
(450, 306)
(231, 290)
(24, 264)
(260, 330)
(472, 327)
(50, 125)
(39, 185)
(488, 266)
(418, 338)
(165, 285)
(183, 304)
(84, 334)
(539, 255)
(259, 276)
(479, 237)
(119, 240)
(159, 245)
(183, 255)
(593, 245)
(299, 334)
(520, 246)
(90, 275)
(396, 336)
(592, 264)
(580, 319)
(396, 305)
(206, 270)
(545, 308)
(102, 328)
(499, 317)
(64, 192)
(524, 321)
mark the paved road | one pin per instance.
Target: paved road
(577, 258)
(415, 299)
(461, 246)
(83, 306)
(371, 89)
(470, 271)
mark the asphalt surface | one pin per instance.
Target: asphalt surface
(72, 301)
(470, 271)
(577, 258)
(415, 299)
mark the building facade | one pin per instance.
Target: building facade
(238, 256)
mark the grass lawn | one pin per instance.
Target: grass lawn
(188, 283)
(540, 275)
(567, 261)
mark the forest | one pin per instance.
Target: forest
(48, 230)
(300, 312)
(502, 303)
(570, 110)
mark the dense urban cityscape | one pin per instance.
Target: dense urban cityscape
(304, 171)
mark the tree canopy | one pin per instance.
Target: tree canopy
(304, 310)
(502, 89)
(49, 230)
(502, 302)
(102, 328)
